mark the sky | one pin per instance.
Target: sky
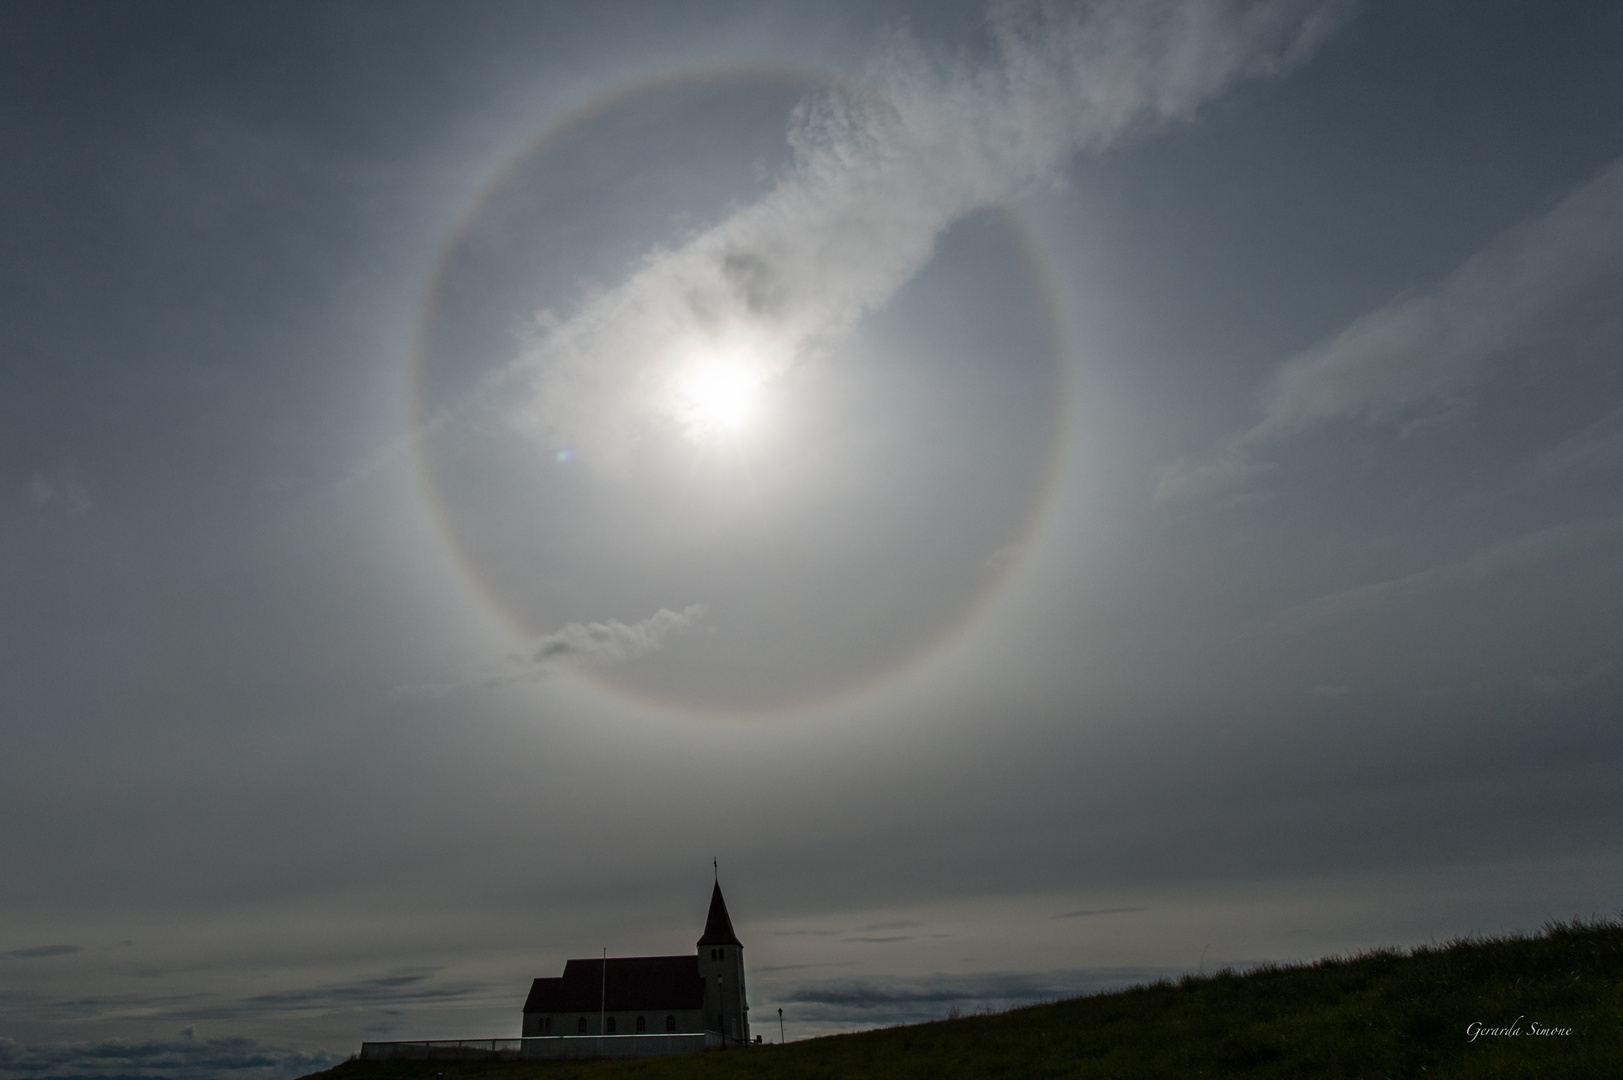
(1049, 496)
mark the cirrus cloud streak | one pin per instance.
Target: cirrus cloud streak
(877, 175)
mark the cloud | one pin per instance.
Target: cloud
(187, 1058)
(374, 994)
(407, 987)
(613, 642)
(1427, 346)
(62, 490)
(877, 175)
(1596, 447)
(1528, 550)
(1561, 685)
(1423, 349)
(1188, 480)
(38, 951)
(803, 967)
(598, 644)
(1088, 913)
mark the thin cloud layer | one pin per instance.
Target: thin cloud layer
(1423, 349)
(186, 1058)
(875, 179)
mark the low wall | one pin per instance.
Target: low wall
(545, 1047)
(444, 1050)
(595, 1046)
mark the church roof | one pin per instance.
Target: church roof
(718, 927)
(653, 983)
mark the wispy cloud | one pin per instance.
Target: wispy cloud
(1088, 913)
(888, 939)
(1528, 550)
(1547, 685)
(386, 990)
(877, 175)
(40, 951)
(1596, 447)
(63, 490)
(379, 993)
(613, 642)
(597, 644)
(1423, 349)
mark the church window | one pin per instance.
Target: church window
(611, 1025)
(642, 1025)
(580, 1025)
(670, 1023)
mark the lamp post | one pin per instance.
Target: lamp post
(780, 1027)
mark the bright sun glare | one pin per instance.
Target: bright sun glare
(720, 396)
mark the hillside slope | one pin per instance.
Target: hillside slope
(1382, 1014)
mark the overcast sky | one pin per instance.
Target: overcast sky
(1050, 496)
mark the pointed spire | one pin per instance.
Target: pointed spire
(718, 926)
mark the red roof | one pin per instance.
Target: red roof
(634, 982)
(718, 928)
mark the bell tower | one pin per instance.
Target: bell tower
(721, 966)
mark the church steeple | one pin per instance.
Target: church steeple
(718, 926)
(721, 967)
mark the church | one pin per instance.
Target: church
(650, 995)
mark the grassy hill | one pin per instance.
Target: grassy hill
(1381, 1014)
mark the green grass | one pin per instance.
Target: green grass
(1380, 1014)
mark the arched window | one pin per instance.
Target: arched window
(611, 1025)
(580, 1025)
(642, 1025)
(670, 1023)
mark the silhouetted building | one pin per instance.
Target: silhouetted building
(647, 995)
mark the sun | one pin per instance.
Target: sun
(722, 396)
(720, 393)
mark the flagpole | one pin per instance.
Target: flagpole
(603, 1002)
